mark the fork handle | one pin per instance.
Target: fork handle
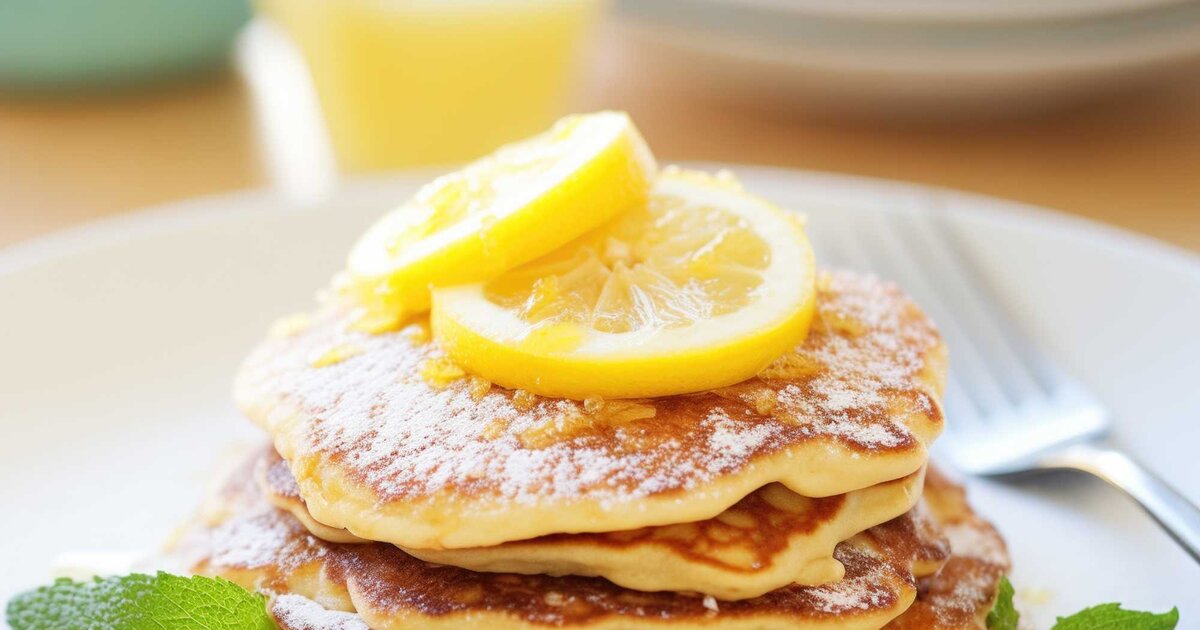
(1173, 511)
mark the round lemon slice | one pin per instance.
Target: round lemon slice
(700, 288)
(522, 201)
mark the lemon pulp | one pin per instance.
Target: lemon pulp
(667, 265)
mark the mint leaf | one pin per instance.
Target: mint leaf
(1113, 617)
(137, 602)
(1003, 615)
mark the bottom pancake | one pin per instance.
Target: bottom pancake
(261, 547)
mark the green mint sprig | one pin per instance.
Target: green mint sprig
(137, 602)
(1003, 616)
(1113, 617)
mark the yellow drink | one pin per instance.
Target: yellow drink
(405, 82)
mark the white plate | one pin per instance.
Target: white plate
(119, 341)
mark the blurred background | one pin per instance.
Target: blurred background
(1088, 106)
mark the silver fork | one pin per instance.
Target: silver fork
(1010, 410)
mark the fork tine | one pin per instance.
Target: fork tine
(978, 316)
(1039, 367)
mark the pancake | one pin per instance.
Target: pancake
(958, 597)
(279, 487)
(385, 442)
(265, 548)
(769, 539)
(964, 590)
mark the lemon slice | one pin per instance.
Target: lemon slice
(700, 288)
(522, 201)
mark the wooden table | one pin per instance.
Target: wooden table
(1132, 162)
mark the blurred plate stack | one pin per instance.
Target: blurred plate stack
(924, 58)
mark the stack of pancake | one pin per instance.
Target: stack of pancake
(415, 495)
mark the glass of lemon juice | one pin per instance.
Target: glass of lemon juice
(407, 82)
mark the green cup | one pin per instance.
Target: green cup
(82, 44)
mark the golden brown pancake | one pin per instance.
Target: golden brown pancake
(958, 597)
(279, 487)
(262, 547)
(771, 538)
(388, 454)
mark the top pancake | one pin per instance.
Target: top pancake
(428, 462)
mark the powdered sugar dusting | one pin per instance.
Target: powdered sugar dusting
(247, 543)
(279, 478)
(873, 345)
(842, 596)
(295, 612)
(732, 442)
(971, 541)
(256, 542)
(258, 538)
(961, 593)
(408, 440)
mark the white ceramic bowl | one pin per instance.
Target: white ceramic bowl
(928, 58)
